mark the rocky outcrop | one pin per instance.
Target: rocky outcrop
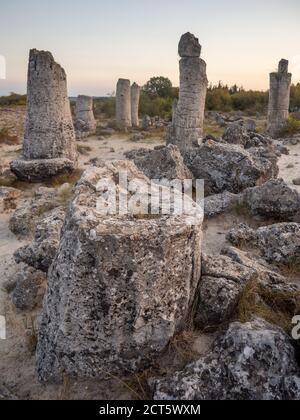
(42, 250)
(85, 123)
(188, 113)
(161, 163)
(279, 243)
(123, 104)
(30, 289)
(115, 297)
(135, 102)
(49, 143)
(252, 361)
(274, 199)
(236, 134)
(226, 167)
(221, 203)
(279, 99)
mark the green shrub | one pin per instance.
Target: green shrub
(292, 127)
(13, 100)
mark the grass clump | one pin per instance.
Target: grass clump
(275, 306)
(292, 127)
(7, 138)
(69, 178)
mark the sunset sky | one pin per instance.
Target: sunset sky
(98, 41)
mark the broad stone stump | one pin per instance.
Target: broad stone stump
(123, 104)
(279, 99)
(120, 286)
(135, 101)
(85, 122)
(49, 146)
(188, 113)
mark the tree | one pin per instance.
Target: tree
(158, 86)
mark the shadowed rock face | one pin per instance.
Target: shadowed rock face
(188, 114)
(279, 99)
(115, 296)
(135, 101)
(85, 122)
(123, 104)
(49, 141)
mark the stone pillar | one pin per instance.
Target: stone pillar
(121, 284)
(85, 122)
(49, 146)
(135, 101)
(123, 104)
(188, 114)
(279, 99)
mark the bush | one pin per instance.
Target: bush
(292, 127)
(13, 100)
(105, 106)
(156, 106)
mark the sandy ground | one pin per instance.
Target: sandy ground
(17, 363)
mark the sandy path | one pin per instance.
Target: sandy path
(289, 166)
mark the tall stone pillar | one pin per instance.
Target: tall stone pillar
(123, 104)
(49, 146)
(85, 122)
(279, 99)
(188, 114)
(135, 101)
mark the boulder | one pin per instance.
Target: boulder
(236, 134)
(115, 297)
(252, 361)
(30, 289)
(220, 203)
(41, 251)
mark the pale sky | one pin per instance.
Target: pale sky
(98, 41)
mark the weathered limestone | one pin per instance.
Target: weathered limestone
(123, 104)
(85, 122)
(49, 143)
(188, 115)
(279, 99)
(116, 295)
(135, 101)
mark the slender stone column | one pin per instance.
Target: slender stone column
(85, 122)
(279, 99)
(135, 101)
(49, 146)
(188, 114)
(123, 104)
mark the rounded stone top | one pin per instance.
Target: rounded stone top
(189, 46)
(283, 66)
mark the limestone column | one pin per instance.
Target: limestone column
(135, 101)
(188, 114)
(85, 122)
(49, 146)
(279, 99)
(123, 104)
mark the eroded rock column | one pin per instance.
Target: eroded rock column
(49, 146)
(85, 122)
(135, 101)
(188, 114)
(121, 285)
(123, 104)
(279, 99)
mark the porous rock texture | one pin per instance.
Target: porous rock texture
(42, 250)
(279, 243)
(279, 99)
(9, 198)
(161, 163)
(49, 141)
(30, 288)
(273, 199)
(115, 297)
(85, 123)
(251, 361)
(227, 167)
(188, 114)
(123, 104)
(135, 102)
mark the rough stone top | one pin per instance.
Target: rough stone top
(135, 85)
(96, 192)
(189, 46)
(283, 66)
(43, 61)
(124, 81)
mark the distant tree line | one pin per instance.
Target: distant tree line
(158, 95)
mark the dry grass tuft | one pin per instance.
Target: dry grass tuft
(276, 307)
(70, 178)
(7, 138)
(83, 149)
